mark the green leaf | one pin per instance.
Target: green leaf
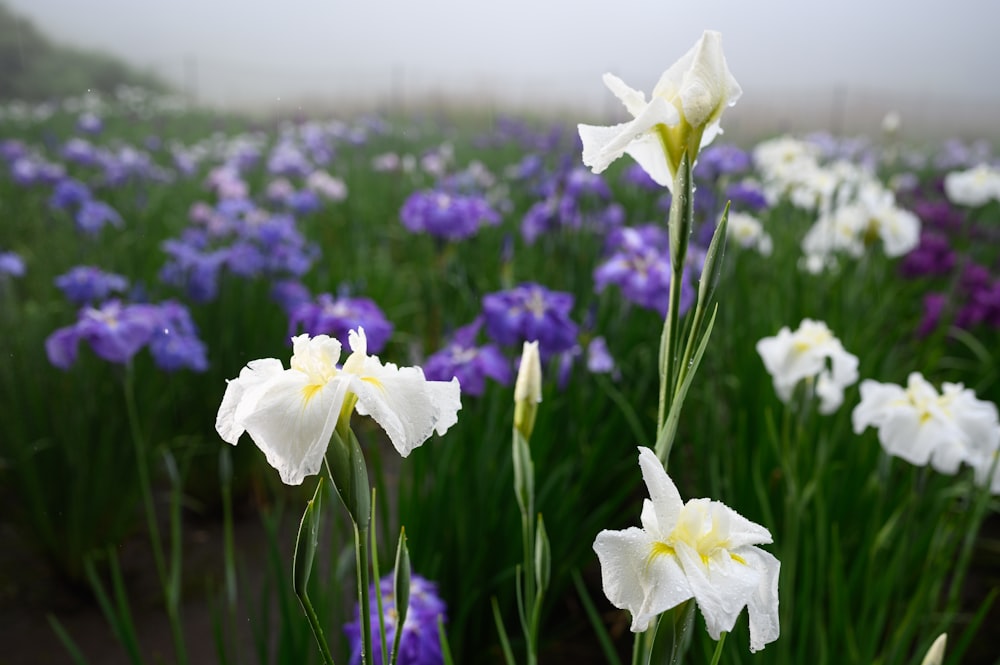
(306, 542)
(543, 557)
(674, 629)
(401, 590)
(350, 477)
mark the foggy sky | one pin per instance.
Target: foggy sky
(549, 51)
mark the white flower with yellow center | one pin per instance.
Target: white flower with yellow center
(921, 425)
(973, 188)
(292, 413)
(701, 549)
(809, 354)
(682, 115)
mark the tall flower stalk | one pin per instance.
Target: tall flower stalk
(702, 550)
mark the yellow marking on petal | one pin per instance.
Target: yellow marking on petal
(659, 549)
(737, 558)
(308, 392)
(373, 381)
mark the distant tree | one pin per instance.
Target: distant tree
(34, 68)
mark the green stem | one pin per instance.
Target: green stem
(145, 485)
(718, 649)
(361, 559)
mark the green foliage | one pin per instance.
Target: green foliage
(33, 68)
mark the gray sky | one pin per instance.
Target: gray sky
(540, 51)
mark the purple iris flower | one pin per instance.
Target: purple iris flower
(420, 643)
(93, 215)
(639, 264)
(934, 304)
(114, 331)
(303, 202)
(940, 215)
(746, 196)
(462, 358)
(336, 317)
(932, 256)
(69, 193)
(290, 293)
(531, 312)
(83, 285)
(174, 343)
(193, 269)
(635, 175)
(446, 215)
(89, 123)
(11, 264)
(80, 151)
(719, 160)
(598, 360)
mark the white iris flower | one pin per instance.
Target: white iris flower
(810, 354)
(292, 413)
(924, 426)
(682, 115)
(701, 549)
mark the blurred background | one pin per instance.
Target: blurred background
(841, 65)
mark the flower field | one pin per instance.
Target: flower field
(834, 350)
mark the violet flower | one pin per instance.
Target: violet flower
(420, 643)
(338, 316)
(531, 312)
(174, 343)
(461, 358)
(11, 264)
(446, 215)
(94, 215)
(84, 285)
(114, 331)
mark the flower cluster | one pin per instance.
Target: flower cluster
(923, 426)
(447, 215)
(811, 354)
(420, 643)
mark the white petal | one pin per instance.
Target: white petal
(647, 151)
(292, 420)
(722, 587)
(251, 377)
(875, 400)
(763, 602)
(634, 100)
(663, 493)
(405, 404)
(636, 582)
(603, 145)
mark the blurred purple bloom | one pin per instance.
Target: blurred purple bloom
(114, 331)
(80, 151)
(746, 197)
(470, 363)
(933, 256)
(192, 269)
(69, 193)
(634, 174)
(174, 343)
(940, 215)
(303, 202)
(446, 215)
(934, 304)
(531, 312)
(598, 361)
(93, 215)
(639, 264)
(89, 123)
(11, 264)
(289, 294)
(336, 317)
(84, 285)
(420, 643)
(719, 160)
